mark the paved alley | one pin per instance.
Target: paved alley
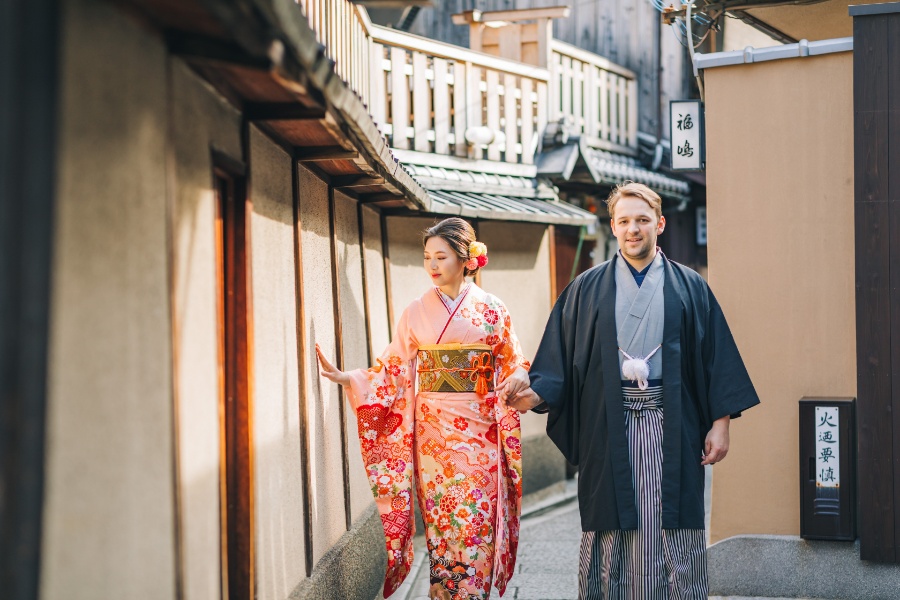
(547, 566)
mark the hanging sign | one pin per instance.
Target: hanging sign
(686, 124)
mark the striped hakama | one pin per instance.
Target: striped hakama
(650, 563)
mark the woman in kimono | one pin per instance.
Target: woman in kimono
(434, 407)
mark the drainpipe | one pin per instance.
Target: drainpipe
(690, 41)
(659, 94)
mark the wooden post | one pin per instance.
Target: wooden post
(421, 103)
(545, 48)
(591, 102)
(441, 107)
(377, 84)
(460, 108)
(493, 110)
(510, 114)
(473, 106)
(399, 98)
(28, 142)
(527, 115)
(876, 97)
(604, 106)
(476, 33)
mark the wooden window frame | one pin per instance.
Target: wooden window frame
(233, 209)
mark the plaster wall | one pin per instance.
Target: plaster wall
(202, 120)
(738, 35)
(109, 513)
(408, 277)
(354, 337)
(781, 262)
(519, 274)
(817, 21)
(379, 325)
(277, 448)
(323, 416)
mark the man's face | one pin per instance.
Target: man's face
(636, 227)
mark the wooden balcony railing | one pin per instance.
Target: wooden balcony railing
(599, 97)
(438, 98)
(343, 28)
(428, 95)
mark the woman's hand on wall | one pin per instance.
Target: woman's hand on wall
(329, 371)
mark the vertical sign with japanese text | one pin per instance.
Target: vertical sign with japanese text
(828, 473)
(685, 118)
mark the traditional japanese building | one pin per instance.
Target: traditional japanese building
(615, 59)
(194, 195)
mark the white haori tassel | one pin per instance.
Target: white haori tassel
(636, 368)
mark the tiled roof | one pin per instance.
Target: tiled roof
(441, 178)
(506, 208)
(606, 167)
(611, 168)
(478, 194)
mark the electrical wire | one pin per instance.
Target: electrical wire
(681, 29)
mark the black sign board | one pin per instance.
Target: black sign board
(827, 469)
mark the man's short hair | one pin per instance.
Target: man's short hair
(634, 190)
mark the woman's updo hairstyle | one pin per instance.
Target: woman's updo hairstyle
(460, 236)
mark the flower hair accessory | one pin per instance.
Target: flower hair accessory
(478, 256)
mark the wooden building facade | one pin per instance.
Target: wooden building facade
(230, 184)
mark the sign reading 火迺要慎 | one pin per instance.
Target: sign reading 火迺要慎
(686, 119)
(828, 472)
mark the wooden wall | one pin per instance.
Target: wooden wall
(625, 32)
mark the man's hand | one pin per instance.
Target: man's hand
(716, 442)
(525, 400)
(514, 383)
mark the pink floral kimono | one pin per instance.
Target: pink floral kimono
(428, 408)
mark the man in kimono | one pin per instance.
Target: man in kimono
(640, 376)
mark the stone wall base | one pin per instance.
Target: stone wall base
(354, 568)
(791, 567)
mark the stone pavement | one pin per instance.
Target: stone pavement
(547, 566)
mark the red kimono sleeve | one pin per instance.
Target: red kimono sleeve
(384, 399)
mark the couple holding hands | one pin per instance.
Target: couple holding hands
(628, 342)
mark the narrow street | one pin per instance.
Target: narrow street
(547, 567)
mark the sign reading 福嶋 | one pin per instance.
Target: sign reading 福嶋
(686, 124)
(828, 473)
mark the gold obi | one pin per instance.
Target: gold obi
(456, 368)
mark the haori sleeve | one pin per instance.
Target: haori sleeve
(383, 400)
(729, 388)
(393, 375)
(507, 351)
(551, 374)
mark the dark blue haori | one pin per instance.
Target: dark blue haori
(576, 372)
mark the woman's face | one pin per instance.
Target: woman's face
(442, 263)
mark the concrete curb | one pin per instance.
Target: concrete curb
(791, 567)
(539, 503)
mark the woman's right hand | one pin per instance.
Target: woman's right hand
(329, 371)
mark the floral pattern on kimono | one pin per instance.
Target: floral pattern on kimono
(470, 494)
